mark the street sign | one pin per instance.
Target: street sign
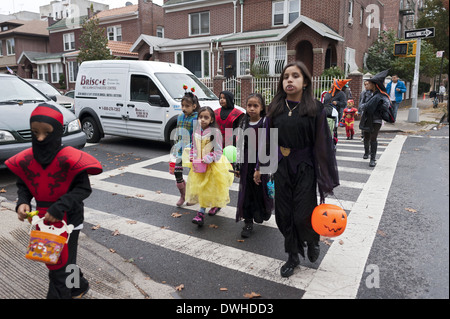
(419, 33)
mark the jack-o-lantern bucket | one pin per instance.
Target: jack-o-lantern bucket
(329, 220)
(46, 245)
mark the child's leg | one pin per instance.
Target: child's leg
(199, 219)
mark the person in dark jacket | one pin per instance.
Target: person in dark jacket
(371, 120)
(336, 96)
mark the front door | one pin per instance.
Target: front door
(229, 63)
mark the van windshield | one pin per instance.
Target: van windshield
(173, 83)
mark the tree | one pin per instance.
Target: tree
(381, 57)
(93, 42)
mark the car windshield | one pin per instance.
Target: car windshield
(14, 89)
(173, 82)
(45, 88)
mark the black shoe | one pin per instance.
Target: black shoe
(247, 230)
(287, 269)
(313, 251)
(372, 163)
(365, 156)
(78, 293)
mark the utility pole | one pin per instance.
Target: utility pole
(413, 115)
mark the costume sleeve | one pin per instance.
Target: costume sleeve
(216, 152)
(72, 201)
(325, 158)
(23, 193)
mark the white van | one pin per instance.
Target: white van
(140, 99)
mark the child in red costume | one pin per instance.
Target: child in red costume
(349, 119)
(57, 177)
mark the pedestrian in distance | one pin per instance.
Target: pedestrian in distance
(349, 119)
(227, 116)
(336, 96)
(395, 90)
(185, 127)
(371, 119)
(363, 98)
(57, 177)
(254, 203)
(208, 184)
(307, 161)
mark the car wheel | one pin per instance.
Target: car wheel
(91, 129)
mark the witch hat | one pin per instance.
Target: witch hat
(378, 79)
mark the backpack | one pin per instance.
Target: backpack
(388, 115)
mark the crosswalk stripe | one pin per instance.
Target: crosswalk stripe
(225, 256)
(354, 170)
(170, 200)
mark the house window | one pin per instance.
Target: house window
(69, 41)
(42, 72)
(285, 12)
(1, 48)
(114, 33)
(179, 58)
(244, 60)
(199, 23)
(10, 47)
(73, 71)
(361, 15)
(198, 62)
(271, 58)
(57, 70)
(160, 32)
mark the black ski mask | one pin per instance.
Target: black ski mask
(45, 151)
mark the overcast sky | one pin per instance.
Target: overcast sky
(12, 6)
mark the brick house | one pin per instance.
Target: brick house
(17, 36)
(122, 26)
(228, 37)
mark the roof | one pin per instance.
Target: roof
(150, 40)
(68, 23)
(122, 49)
(31, 27)
(117, 12)
(36, 57)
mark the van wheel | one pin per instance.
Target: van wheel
(90, 128)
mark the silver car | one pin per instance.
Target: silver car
(18, 99)
(52, 93)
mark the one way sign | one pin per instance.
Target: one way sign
(419, 33)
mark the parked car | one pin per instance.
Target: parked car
(18, 99)
(70, 94)
(53, 93)
(140, 99)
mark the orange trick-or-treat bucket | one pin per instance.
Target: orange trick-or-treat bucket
(46, 245)
(329, 220)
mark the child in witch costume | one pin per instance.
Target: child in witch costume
(349, 119)
(306, 162)
(57, 177)
(226, 117)
(254, 203)
(185, 122)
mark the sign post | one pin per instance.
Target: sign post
(413, 115)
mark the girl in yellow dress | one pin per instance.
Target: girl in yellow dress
(209, 187)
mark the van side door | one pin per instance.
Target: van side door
(146, 108)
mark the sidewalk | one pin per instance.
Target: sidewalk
(109, 275)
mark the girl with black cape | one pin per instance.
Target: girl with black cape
(306, 160)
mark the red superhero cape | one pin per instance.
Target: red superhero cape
(227, 123)
(49, 184)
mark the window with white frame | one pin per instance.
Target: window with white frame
(199, 23)
(10, 47)
(270, 58)
(72, 66)
(69, 41)
(198, 62)
(244, 60)
(42, 72)
(114, 33)
(285, 12)
(160, 32)
(56, 70)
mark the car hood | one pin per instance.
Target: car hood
(17, 117)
